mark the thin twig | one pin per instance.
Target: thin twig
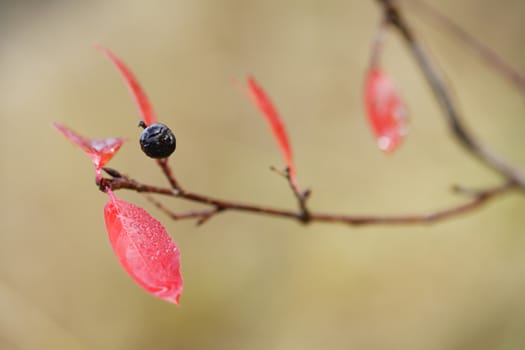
(488, 55)
(441, 92)
(166, 169)
(378, 43)
(300, 196)
(199, 214)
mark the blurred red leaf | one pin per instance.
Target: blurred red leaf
(99, 150)
(141, 100)
(387, 113)
(144, 248)
(265, 105)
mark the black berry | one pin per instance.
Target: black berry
(157, 140)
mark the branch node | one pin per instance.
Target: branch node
(103, 184)
(304, 217)
(305, 195)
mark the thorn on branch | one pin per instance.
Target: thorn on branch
(112, 172)
(306, 194)
(279, 172)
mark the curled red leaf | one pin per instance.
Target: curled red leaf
(387, 113)
(144, 248)
(265, 105)
(99, 150)
(141, 100)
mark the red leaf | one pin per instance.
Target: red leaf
(144, 248)
(141, 100)
(387, 113)
(99, 150)
(265, 105)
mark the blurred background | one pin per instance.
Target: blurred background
(255, 282)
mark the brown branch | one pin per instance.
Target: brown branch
(513, 177)
(441, 92)
(477, 199)
(166, 169)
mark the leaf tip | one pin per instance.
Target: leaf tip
(138, 94)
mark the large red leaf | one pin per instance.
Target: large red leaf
(387, 113)
(265, 105)
(144, 248)
(141, 100)
(99, 150)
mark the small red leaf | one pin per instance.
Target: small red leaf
(265, 105)
(141, 100)
(99, 150)
(387, 113)
(144, 248)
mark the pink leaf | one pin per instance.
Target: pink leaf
(144, 248)
(387, 113)
(265, 105)
(141, 100)
(99, 150)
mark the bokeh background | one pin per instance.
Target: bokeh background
(254, 282)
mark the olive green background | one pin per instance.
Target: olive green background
(255, 282)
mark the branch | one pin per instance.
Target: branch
(478, 198)
(513, 178)
(166, 169)
(491, 57)
(441, 92)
